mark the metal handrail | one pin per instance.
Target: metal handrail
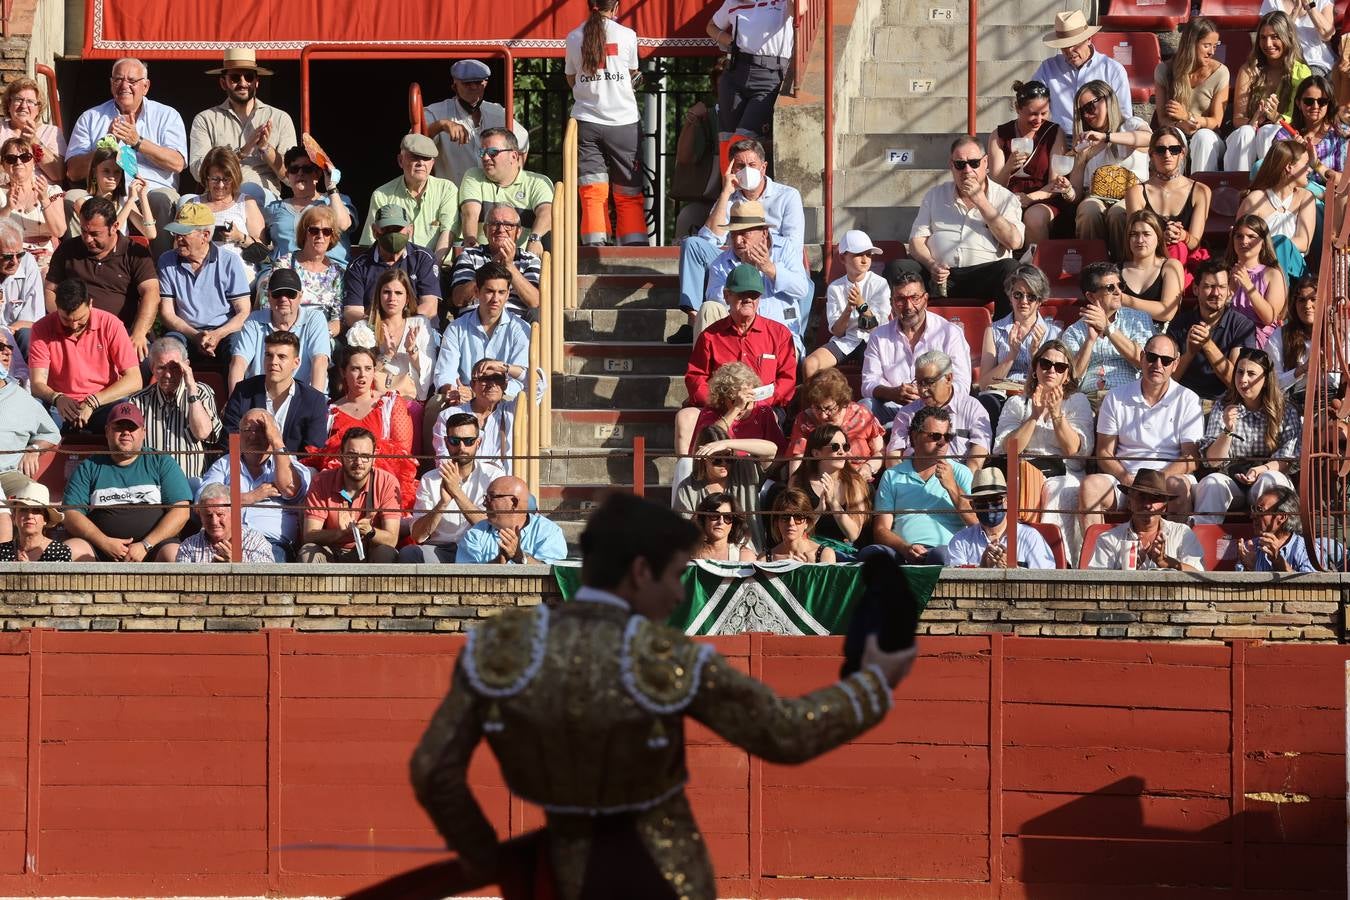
(416, 118)
(405, 51)
(53, 93)
(568, 237)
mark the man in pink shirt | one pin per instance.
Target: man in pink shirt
(81, 361)
(354, 510)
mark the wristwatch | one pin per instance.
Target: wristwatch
(146, 544)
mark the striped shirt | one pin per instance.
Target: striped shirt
(166, 425)
(197, 549)
(474, 258)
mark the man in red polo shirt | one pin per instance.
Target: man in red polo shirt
(81, 360)
(743, 336)
(355, 499)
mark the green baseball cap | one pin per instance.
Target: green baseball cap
(745, 279)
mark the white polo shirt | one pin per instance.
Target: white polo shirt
(762, 27)
(957, 233)
(606, 97)
(1148, 437)
(453, 524)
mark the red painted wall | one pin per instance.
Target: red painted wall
(165, 764)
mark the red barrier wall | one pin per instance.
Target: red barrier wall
(164, 764)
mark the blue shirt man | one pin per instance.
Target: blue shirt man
(922, 502)
(511, 534)
(488, 332)
(1075, 65)
(137, 120)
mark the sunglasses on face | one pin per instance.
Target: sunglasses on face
(1112, 288)
(319, 231)
(1024, 296)
(715, 518)
(1168, 150)
(9, 257)
(1049, 365)
(937, 437)
(218, 179)
(796, 518)
(14, 159)
(1088, 107)
(243, 77)
(1310, 102)
(1152, 357)
(303, 169)
(836, 448)
(493, 498)
(492, 152)
(453, 440)
(961, 165)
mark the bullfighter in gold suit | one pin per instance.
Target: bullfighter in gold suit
(584, 708)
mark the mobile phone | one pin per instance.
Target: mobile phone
(218, 235)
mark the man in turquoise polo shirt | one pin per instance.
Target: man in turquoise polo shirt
(920, 502)
(432, 203)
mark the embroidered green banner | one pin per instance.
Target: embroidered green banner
(776, 597)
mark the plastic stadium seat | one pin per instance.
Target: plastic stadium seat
(1061, 310)
(1062, 261)
(1226, 194)
(1220, 545)
(1234, 48)
(1146, 15)
(1090, 542)
(216, 382)
(1054, 538)
(974, 321)
(1138, 52)
(1232, 13)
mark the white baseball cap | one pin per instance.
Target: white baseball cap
(858, 242)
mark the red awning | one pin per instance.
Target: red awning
(158, 29)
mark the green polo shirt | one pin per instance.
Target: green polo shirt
(437, 210)
(525, 195)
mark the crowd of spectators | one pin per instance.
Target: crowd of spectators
(369, 362)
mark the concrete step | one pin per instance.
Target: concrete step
(617, 359)
(628, 260)
(573, 500)
(627, 291)
(870, 151)
(957, 12)
(944, 46)
(925, 114)
(882, 223)
(619, 391)
(624, 325)
(608, 428)
(561, 467)
(995, 77)
(900, 187)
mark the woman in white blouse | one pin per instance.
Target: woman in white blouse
(1102, 137)
(407, 345)
(1054, 428)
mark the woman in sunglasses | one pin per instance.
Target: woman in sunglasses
(1192, 93)
(793, 524)
(239, 222)
(1314, 119)
(1279, 194)
(1251, 440)
(1265, 88)
(1010, 343)
(1028, 175)
(723, 529)
(308, 189)
(1150, 280)
(1053, 425)
(1181, 203)
(31, 201)
(24, 110)
(735, 466)
(1255, 277)
(1102, 137)
(835, 488)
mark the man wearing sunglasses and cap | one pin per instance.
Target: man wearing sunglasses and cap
(985, 545)
(1075, 65)
(456, 123)
(1148, 541)
(258, 133)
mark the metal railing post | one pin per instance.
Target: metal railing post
(640, 465)
(533, 425)
(1014, 503)
(236, 499)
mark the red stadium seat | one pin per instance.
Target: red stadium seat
(1090, 542)
(1062, 261)
(1234, 48)
(1220, 545)
(974, 321)
(1054, 538)
(1138, 52)
(1061, 310)
(1226, 189)
(1232, 13)
(1146, 15)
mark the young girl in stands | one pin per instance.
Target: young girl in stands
(1150, 280)
(106, 179)
(1279, 195)
(1182, 203)
(1192, 94)
(855, 305)
(1254, 275)
(601, 69)
(1028, 175)
(1265, 88)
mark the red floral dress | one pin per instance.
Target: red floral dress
(389, 421)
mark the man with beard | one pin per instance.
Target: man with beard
(352, 512)
(456, 124)
(259, 134)
(451, 497)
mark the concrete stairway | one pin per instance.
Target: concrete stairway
(623, 377)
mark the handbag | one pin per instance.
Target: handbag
(1111, 182)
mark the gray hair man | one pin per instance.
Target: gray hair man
(970, 436)
(215, 542)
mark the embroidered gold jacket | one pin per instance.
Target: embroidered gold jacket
(584, 708)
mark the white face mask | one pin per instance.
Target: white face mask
(748, 178)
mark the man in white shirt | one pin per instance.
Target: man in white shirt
(1154, 423)
(455, 123)
(21, 298)
(1075, 65)
(985, 544)
(451, 497)
(1148, 541)
(888, 381)
(966, 230)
